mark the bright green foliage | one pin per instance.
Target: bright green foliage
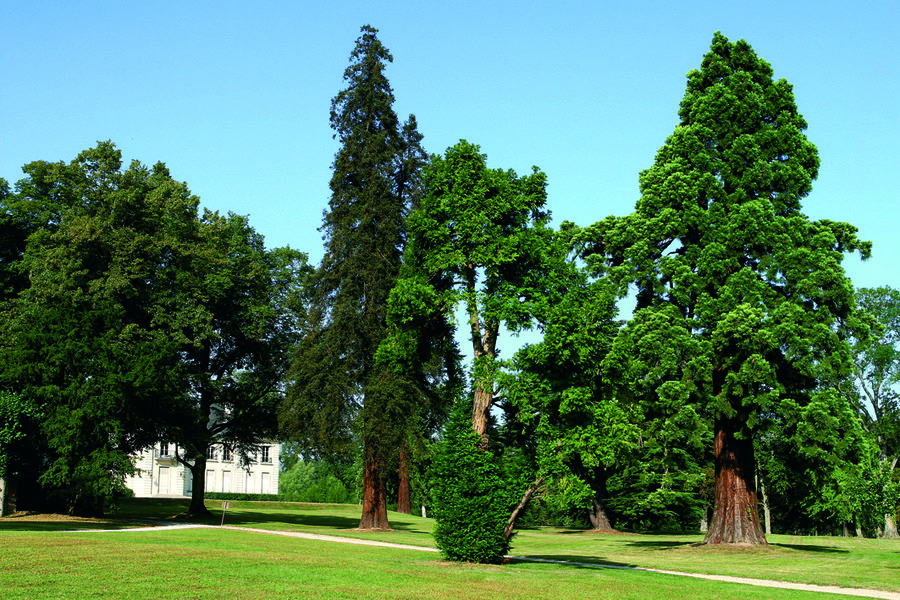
(314, 481)
(471, 500)
(876, 363)
(18, 422)
(340, 395)
(738, 292)
(479, 240)
(582, 432)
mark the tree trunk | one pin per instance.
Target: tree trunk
(374, 514)
(890, 527)
(481, 408)
(704, 521)
(2, 496)
(736, 515)
(198, 488)
(511, 523)
(597, 515)
(403, 503)
(765, 503)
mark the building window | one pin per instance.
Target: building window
(211, 453)
(164, 449)
(226, 454)
(265, 454)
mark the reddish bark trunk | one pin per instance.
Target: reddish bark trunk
(736, 516)
(374, 514)
(480, 410)
(403, 503)
(598, 517)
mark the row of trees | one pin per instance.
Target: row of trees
(749, 373)
(741, 341)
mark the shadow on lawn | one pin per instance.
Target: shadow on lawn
(813, 548)
(659, 544)
(578, 562)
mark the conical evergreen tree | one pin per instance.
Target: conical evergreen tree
(340, 396)
(738, 292)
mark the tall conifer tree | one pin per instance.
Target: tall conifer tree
(340, 396)
(738, 292)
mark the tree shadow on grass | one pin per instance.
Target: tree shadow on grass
(578, 562)
(323, 521)
(661, 544)
(813, 548)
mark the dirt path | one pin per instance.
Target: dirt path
(787, 585)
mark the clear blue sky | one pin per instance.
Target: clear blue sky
(234, 97)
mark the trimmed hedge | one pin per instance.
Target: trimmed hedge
(244, 497)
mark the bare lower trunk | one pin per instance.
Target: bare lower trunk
(704, 521)
(403, 503)
(374, 513)
(480, 411)
(597, 515)
(736, 514)
(2, 496)
(890, 527)
(198, 489)
(523, 503)
(765, 503)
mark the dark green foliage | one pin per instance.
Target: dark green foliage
(86, 340)
(471, 500)
(141, 321)
(340, 396)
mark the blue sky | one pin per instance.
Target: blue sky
(234, 97)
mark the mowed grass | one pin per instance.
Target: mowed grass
(41, 560)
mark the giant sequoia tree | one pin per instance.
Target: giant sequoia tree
(340, 395)
(738, 292)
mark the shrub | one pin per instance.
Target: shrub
(471, 501)
(238, 496)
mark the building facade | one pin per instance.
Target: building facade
(160, 474)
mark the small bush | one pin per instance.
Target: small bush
(471, 501)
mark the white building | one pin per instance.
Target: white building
(160, 474)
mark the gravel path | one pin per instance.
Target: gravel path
(787, 585)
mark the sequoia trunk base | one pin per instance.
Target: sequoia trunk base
(374, 514)
(736, 516)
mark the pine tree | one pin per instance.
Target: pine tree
(340, 396)
(738, 292)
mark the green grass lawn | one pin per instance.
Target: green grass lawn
(40, 560)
